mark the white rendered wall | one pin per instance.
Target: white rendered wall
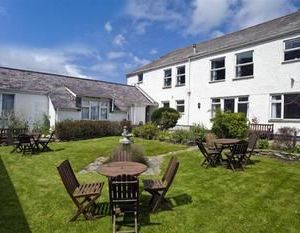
(68, 115)
(271, 76)
(117, 116)
(137, 114)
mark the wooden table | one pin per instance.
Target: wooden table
(225, 142)
(119, 168)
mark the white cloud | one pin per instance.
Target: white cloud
(138, 60)
(119, 40)
(105, 68)
(45, 60)
(261, 10)
(216, 33)
(108, 26)
(153, 51)
(115, 54)
(207, 17)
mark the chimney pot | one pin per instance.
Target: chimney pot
(195, 48)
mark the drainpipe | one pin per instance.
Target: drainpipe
(189, 91)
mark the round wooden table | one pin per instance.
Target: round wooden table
(226, 141)
(119, 168)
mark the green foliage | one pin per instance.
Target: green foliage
(164, 135)
(230, 125)
(70, 130)
(285, 139)
(263, 144)
(181, 136)
(136, 154)
(42, 126)
(198, 131)
(147, 131)
(166, 118)
(16, 121)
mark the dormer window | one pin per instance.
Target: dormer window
(140, 78)
(292, 49)
(180, 76)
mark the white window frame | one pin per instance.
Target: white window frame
(243, 64)
(178, 76)
(100, 104)
(243, 102)
(1, 104)
(281, 101)
(179, 105)
(290, 50)
(167, 77)
(212, 70)
(219, 103)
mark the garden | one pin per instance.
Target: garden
(263, 198)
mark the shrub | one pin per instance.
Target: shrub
(198, 132)
(166, 118)
(181, 136)
(135, 154)
(13, 121)
(147, 131)
(263, 144)
(230, 125)
(42, 126)
(285, 138)
(69, 129)
(127, 124)
(164, 135)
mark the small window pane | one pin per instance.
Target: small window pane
(166, 104)
(180, 106)
(291, 44)
(218, 63)
(276, 97)
(218, 75)
(246, 57)
(167, 82)
(104, 114)
(242, 99)
(181, 70)
(168, 73)
(85, 113)
(243, 108)
(276, 110)
(292, 106)
(246, 70)
(94, 113)
(140, 77)
(291, 55)
(216, 100)
(8, 101)
(229, 105)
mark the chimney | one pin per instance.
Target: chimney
(195, 48)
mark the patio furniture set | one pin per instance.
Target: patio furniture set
(31, 143)
(237, 152)
(124, 193)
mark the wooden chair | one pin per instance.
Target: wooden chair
(251, 145)
(45, 141)
(159, 188)
(25, 144)
(124, 198)
(84, 195)
(211, 156)
(236, 156)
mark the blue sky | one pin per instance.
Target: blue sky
(106, 39)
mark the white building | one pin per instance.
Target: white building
(255, 70)
(30, 95)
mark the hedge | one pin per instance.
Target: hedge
(84, 129)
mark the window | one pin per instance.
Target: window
(276, 106)
(292, 49)
(244, 64)
(217, 69)
(140, 78)
(180, 106)
(166, 104)
(94, 110)
(286, 106)
(215, 106)
(168, 78)
(8, 103)
(181, 76)
(243, 105)
(104, 111)
(228, 105)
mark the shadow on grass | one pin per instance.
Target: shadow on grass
(12, 218)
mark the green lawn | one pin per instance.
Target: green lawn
(264, 198)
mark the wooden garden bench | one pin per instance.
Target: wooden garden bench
(263, 130)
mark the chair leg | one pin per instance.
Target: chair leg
(135, 222)
(114, 223)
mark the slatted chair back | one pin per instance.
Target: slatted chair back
(124, 189)
(24, 139)
(240, 148)
(167, 171)
(171, 175)
(68, 177)
(122, 156)
(202, 148)
(252, 141)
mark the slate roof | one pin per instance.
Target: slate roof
(283, 26)
(60, 88)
